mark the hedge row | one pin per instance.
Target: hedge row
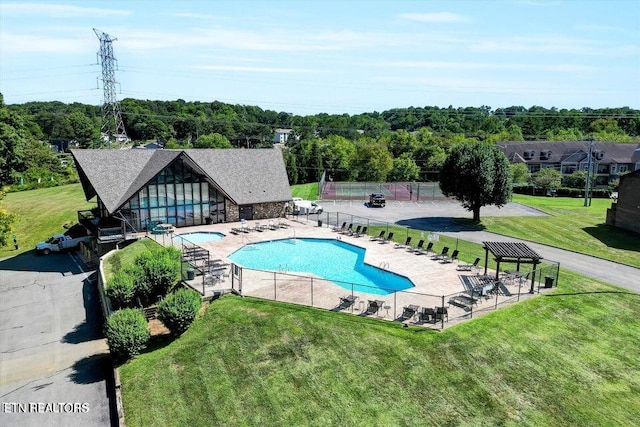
(562, 192)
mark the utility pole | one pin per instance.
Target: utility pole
(112, 125)
(587, 186)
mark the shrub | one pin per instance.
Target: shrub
(161, 271)
(179, 309)
(127, 332)
(121, 290)
(142, 285)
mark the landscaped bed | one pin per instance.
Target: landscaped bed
(565, 359)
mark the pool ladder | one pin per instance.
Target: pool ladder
(384, 266)
(284, 269)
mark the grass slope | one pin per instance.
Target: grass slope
(42, 213)
(566, 359)
(306, 191)
(127, 256)
(571, 226)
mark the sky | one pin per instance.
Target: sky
(308, 57)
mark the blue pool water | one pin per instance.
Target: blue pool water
(200, 236)
(330, 259)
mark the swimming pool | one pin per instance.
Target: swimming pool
(334, 260)
(200, 236)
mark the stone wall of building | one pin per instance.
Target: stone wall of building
(260, 211)
(268, 210)
(232, 212)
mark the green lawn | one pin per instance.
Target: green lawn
(570, 358)
(306, 191)
(127, 255)
(42, 213)
(571, 226)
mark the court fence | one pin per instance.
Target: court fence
(401, 191)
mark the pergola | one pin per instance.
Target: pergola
(512, 252)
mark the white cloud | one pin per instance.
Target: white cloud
(24, 43)
(444, 65)
(57, 10)
(252, 69)
(555, 45)
(245, 40)
(436, 18)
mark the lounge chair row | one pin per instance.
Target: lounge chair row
(359, 231)
(272, 225)
(427, 314)
(419, 249)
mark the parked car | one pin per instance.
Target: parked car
(303, 207)
(59, 243)
(377, 200)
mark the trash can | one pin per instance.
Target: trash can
(319, 223)
(191, 274)
(548, 281)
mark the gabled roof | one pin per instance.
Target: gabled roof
(568, 151)
(245, 176)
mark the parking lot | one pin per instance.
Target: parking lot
(53, 360)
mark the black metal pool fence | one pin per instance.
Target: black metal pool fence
(481, 294)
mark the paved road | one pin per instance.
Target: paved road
(437, 216)
(52, 356)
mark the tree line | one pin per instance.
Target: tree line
(401, 144)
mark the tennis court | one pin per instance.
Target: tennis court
(402, 191)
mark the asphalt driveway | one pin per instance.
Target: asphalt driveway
(439, 216)
(53, 360)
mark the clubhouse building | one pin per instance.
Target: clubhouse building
(137, 189)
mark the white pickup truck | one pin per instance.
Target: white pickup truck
(60, 242)
(303, 207)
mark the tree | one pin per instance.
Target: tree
(373, 161)
(212, 140)
(338, 152)
(477, 175)
(577, 179)
(6, 221)
(547, 179)
(404, 169)
(520, 173)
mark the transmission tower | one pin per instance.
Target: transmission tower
(112, 124)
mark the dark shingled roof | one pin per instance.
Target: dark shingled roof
(245, 176)
(568, 151)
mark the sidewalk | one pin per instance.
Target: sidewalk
(611, 272)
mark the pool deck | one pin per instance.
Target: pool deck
(432, 278)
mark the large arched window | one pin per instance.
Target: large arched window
(178, 195)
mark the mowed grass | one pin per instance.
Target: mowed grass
(42, 213)
(571, 226)
(306, 191)
(570, 358)
(127, 256)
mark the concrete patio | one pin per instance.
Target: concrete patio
(436, 283)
